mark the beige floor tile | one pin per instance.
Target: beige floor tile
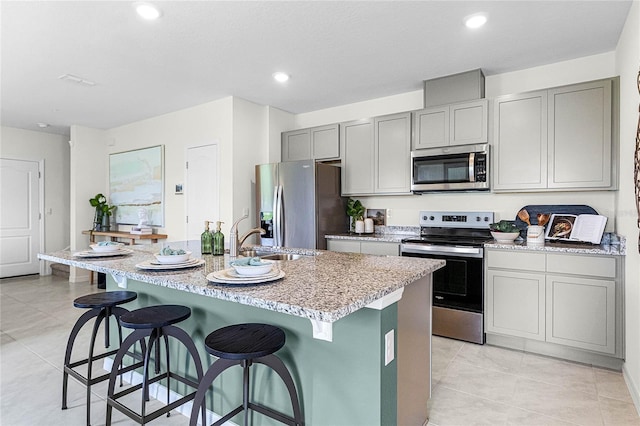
(491, 357)
(443, 352)
(479, 381)
(572, 376)
(452, 407)
(557, 402)
(618, 413)
(611, 384)
(520, 417)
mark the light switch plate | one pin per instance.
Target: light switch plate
(389, 347)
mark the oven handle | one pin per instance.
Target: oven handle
(427, 249)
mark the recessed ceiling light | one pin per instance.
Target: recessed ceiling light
(147, 11)
(281, 77)
(475, 21)
(42, 125)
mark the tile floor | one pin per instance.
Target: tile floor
(472, 384)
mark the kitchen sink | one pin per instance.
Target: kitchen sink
(270, 255)
(282, 256)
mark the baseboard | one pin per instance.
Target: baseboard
(159, 393)
(632, 386)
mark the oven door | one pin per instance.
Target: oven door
(460, 283)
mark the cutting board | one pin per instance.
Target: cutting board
(534, 209)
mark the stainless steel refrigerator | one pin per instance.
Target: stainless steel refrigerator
(298, 203)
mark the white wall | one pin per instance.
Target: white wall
(628, 66)
(53, 150)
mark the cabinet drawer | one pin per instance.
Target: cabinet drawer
(380, 248)
(598, 266)
(516, 260)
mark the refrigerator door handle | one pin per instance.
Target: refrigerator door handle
(279, 242)
(276, 225)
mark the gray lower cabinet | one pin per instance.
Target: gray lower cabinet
(555, 139)
(455, 124)
(573, 300)
(376, 155)
(315, 143)
(382, 248)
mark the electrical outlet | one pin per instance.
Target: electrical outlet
(389, 347)
(245, 211)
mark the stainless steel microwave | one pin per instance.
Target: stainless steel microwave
(452, 168)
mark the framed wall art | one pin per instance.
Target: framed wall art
(136, 185)
(379, 216)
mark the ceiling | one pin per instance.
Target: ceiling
(337, 52)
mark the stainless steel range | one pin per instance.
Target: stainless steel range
(458, 288)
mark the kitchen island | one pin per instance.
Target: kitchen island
(337, 310)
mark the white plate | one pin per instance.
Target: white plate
(191, 261)
(224, 277)
(172, 258)
(91, 253)
(149, 266)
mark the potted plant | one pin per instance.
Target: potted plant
(504, 231)
(355, 211)
(101, 219)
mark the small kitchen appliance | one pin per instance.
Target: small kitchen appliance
(452, 168)
(298, 203)
(458, 287)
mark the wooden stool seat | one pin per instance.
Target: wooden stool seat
(245, 345)
(155, 316)
(103, 300)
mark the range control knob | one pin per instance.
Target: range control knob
(486, 218)
(432, 218)
(478, 218)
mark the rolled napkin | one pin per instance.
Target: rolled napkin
(249, 261)
(168, 251)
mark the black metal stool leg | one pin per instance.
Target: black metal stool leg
(94, 333)
(214, 371)
(166, 349)
(245, 390)
(278, 366)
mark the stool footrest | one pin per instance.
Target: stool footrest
(153, 415)
(93, 358)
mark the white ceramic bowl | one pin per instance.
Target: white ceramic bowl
(106, 248)
(172, 258)
(253, 270)
(505, 237)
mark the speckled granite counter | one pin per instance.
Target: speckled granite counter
(390, 234)
(615, 246)
(322, 285)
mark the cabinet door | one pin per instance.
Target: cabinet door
(382, 248)
(431, 128)
(581, 313)
(580, 136)
(393, 154)
(296, 145)
(348, 246)
(325, 142)
(515, 304)
(520, 142)
(357, 148)
(468, 123)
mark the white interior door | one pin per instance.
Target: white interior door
(19, 217)
(202, 189)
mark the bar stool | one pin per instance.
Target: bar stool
(154, 322)
(102, 307)
(244, 345)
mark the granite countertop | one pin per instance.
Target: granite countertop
(321, 286)
(612, 245)
(390, 234)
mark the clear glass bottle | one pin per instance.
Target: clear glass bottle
(206, 240)
(218, 240)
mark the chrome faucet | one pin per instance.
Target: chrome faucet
(235, 243)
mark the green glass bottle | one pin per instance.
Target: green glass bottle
(218, 241)
(206, 239)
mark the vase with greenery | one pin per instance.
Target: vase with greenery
(355, 211)
(102, 217)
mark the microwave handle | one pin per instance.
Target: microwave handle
(472, 162)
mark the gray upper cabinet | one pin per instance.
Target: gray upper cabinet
(358, 157)
(456, 124)
(554, 139)
(376, 155)
(392, 154)
(315, 143)
(296, 145)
